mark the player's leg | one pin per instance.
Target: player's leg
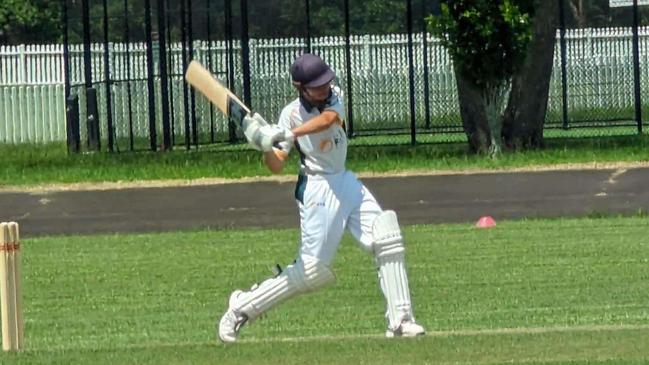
(323, 213)
(322, 228)
(378, 231)
(304, 275)
(390, 258)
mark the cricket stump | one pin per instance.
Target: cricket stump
(10, 288)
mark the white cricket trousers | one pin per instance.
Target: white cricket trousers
(328, 204)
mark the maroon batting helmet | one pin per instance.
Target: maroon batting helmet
(311, 71)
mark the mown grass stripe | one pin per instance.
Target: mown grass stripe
(461, 333)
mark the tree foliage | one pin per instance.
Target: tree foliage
(38, 19)
(486, 39)
(327, 17)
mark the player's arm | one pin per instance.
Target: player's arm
(275, 160)
(317, 124)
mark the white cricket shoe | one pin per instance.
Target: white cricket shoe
(232, 321)
(406, 329)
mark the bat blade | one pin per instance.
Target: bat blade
(203, 81)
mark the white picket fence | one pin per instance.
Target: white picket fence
(32, 101)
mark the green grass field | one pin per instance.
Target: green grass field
(561, 291)
(26, 165)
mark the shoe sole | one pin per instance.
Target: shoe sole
(390, 334)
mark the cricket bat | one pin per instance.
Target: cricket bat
(208, 85)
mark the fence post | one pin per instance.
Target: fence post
(245, 52)
(229, 54)
(185, 62)
(66, 47)
(307, 11)
(171, 120)
(210, 65)
(424, 37)
(108, 82)
(564, 75)
(153, 136)
(411, 75)
(91, 96)
(92, 116)
(190, 41)
(72, 123)
(127, 62)
(636, 69)
(164, 81)
(348, 66)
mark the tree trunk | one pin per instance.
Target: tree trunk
(528, 101)
(473, 111)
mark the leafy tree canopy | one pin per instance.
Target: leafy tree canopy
(486, 39)
(36, 20)
(39, 21)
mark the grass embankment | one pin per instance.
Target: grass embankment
(25, 165)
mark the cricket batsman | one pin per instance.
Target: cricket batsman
(330, 199)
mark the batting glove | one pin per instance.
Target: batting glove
(272, 134)
(251, 126)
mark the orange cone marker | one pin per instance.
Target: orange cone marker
(485, 222)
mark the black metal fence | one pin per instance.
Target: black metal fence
(144, 48)
(125, 77)
(586, 66)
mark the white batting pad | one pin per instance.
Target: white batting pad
(389, 254)
(303, 276)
